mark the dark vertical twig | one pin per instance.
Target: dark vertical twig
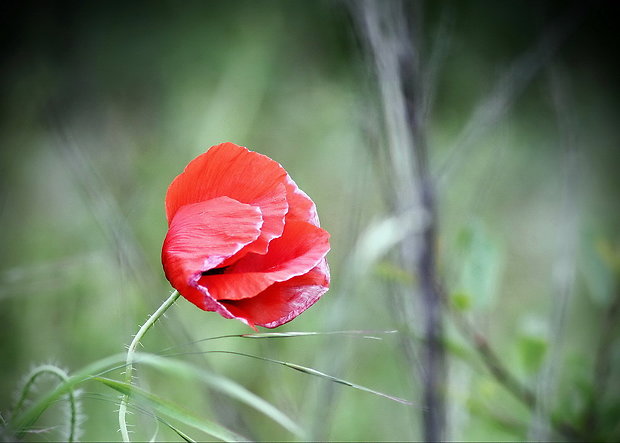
(394, 37)
(434, 373)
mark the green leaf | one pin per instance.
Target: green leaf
(380, 237)
(478, 265)
(532, 350)
(389, 271)
(461, 301)
(532, 343)
(598, 266)
(458, 349)
(163, 406)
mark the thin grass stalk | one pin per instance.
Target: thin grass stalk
(122, 411)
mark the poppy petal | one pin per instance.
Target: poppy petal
(199, 296)
(243, 239)
(234, 171)
(269, 205)
(301, 247)
(282, 302)
(301, 207)
(203, 235)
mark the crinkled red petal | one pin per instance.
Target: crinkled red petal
(203, 235)
(300, 248)
(282, 302)
(272, 204)
(301, 207)
(233, 171)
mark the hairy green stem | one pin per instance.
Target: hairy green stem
(63, 376)
(122, 411)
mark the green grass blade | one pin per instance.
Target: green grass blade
(171, 410)
(180, 433)
(365, 334)
(174, 367)
(115, 401)
(224, 385)
(355, 333)
(320, 374)
(316, 373)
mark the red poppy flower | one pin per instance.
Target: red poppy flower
(243, 240)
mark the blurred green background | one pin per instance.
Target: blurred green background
(103, 104)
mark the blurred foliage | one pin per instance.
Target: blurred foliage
(103, 103)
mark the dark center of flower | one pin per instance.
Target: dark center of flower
(215, 271)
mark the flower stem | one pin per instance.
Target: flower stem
(122, 411)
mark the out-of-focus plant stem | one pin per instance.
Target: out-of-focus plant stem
(392, 31)
(505, 378)
(122, 410)
(434, 362)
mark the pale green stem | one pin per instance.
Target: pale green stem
(122, 411)
(62, 375)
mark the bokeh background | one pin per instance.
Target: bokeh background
(102, 105)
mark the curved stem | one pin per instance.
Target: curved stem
(122, 411)
(62, 375)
